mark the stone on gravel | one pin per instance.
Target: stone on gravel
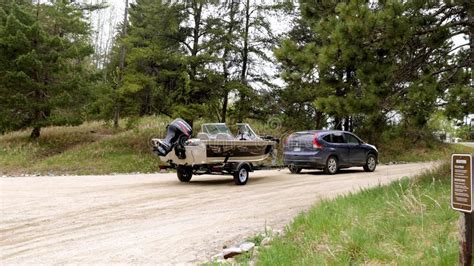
(277, 232)
(255, 251)
(218, 258)
(231, 252)
(247, 246)
(268, 230)
(266, 241)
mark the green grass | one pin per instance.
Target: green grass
(409, 222)
(257, 239)
(91, 148)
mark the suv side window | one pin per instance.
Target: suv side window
(351, 139)
(327, 138)
(337, 138)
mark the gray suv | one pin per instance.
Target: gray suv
(329, 150)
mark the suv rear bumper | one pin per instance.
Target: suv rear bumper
(304, 160)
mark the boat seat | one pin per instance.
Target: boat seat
(202, 136)
(224, 136)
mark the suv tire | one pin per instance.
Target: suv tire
(370, 163)
(332, 166)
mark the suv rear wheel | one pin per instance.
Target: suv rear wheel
(331, 165)
(370, 163)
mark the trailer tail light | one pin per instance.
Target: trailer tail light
(316, 143)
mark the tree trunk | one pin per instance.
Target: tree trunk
(224, 106)
(346, 123)
(35, 133)
(337, 123)
(245, 59)
(228, 39)
(145, 106)
(197, 10)
(245, 51)
(116, 116)
(121, 64)
(319, 119)
(124, 33)
(470, 10)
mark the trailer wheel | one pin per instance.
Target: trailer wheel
(184, 173)
(241, 175)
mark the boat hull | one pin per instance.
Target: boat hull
(200, 152)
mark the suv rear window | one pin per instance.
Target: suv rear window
(301, 139)
(301, 136)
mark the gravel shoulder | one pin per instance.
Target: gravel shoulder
(155, 219)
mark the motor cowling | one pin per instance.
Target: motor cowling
(178, 132)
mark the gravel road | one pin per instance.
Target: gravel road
(153, 218)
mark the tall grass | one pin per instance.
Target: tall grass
(406, 223)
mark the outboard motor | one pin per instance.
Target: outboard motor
(178, 133)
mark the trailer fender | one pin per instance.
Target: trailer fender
(249, 166)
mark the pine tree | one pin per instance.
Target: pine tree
(43, 64)
(375, 60)
(156, 76)
(169, 56)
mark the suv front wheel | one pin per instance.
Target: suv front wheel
(370, 163)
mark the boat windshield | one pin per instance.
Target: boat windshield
(244, 131)
(214, 129)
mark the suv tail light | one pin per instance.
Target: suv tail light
(287, 139)
(316, 144)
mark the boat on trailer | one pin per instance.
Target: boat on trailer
(214, 150)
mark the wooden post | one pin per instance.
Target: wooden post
(465, 229)
(462, 199)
